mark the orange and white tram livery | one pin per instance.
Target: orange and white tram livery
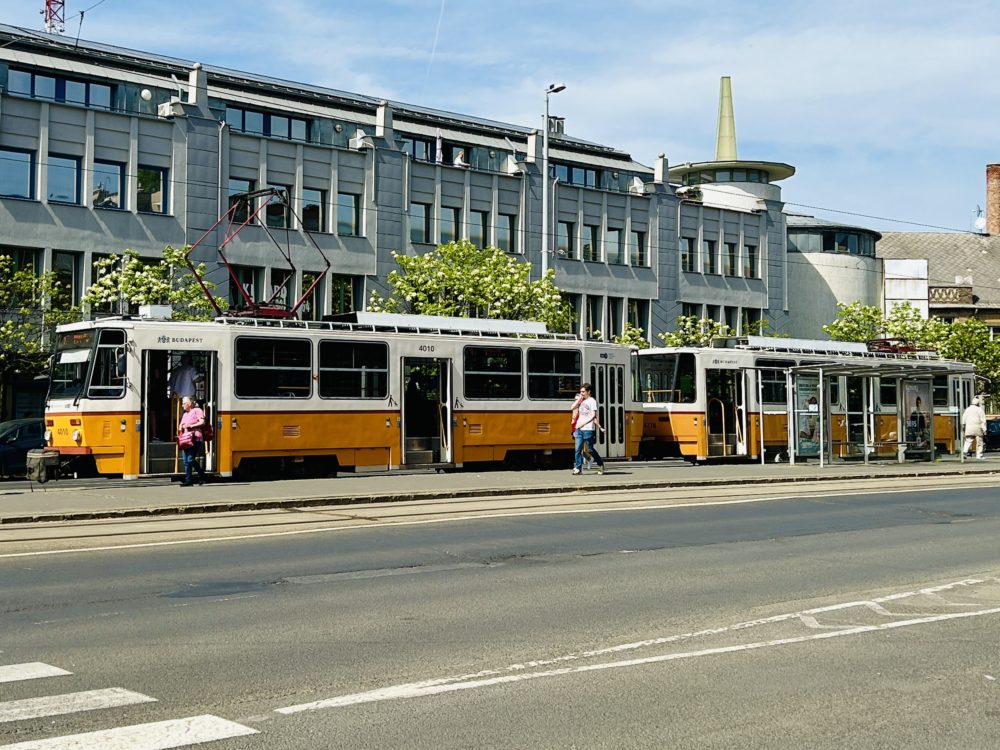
(312, 398)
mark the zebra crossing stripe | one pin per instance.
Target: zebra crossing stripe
(69, 703)
(160, 735)
(29, 671)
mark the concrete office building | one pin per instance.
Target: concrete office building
(104, 148)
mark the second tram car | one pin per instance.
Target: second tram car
(383, 391)
(760, 397)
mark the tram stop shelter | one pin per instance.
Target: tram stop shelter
(888, 409)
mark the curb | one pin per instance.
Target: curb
(401, 497)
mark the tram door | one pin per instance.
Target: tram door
(855, 414)
(161, 410)
(427, 424)
(609, 391)
(725, 391)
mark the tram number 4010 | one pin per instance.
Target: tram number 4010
(426, 347)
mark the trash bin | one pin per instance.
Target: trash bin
(43, 465)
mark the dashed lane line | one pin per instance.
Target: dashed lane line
(30, 671)
(160, 735)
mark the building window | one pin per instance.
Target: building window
(247, 278)
(313, 210)
(344, 290)
(59, 89)
(267, 124)
(507, 233)
(64, 179)
(451, 221)
(750, 325)
(17, 173)
(152, 191)
(281, 286)
(595, 311)
(420, 223)
(731, 259)
(571, 175)
(750, 269)
(711, 258)
(690, 310)
(479, 223)
(312, 308)
(638, 313)
(566, 239)
(613, 246)
(637, 250)
(276, 212)
(591, 243)
(419, 149)
(348, 214)
(243, 208)
(687, 254)
(615, 305)
(108, 184)
(66, 267)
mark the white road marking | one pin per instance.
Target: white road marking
(31, 671)
(476, 517)
(414, 690)
(70, 703)
(160, 735)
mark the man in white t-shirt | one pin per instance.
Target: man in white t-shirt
(587, 425)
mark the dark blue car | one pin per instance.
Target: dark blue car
(17, 437)
(992, 434)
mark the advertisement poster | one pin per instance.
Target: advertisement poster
(916, 408)
(807, 416)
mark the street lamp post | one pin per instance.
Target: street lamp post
(553, 88)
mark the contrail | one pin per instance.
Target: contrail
(437, 33)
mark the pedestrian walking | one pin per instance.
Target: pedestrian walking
(191, 439)
(585, 432)
(974, 425)
(588, 460)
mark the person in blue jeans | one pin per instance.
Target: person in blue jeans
(587, 426)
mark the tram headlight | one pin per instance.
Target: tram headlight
(77, 436)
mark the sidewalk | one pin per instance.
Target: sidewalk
(67, 500)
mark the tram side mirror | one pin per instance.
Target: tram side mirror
(121, 364)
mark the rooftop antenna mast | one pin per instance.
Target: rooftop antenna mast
(55, 18)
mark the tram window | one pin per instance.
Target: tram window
(349, 369)
(72, 358)
(492, 372)
(940, 392)
(667, 379)
(273, 368)
(887, 391)
(107, 379)
(774, 386)
(554, 373)
(834, 390)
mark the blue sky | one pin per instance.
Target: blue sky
(886, 108)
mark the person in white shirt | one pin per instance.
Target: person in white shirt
(974, 422)
(587, 425)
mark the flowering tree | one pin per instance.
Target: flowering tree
(458, 279)
(965, 340)
(692, 331)
(137, 281)
(31, 306)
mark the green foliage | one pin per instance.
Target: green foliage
(31, 306)
(964, 340)
(138, 281)
(692, 331)
(459, 279)
(632, 336)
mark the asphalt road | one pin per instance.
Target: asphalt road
(862, 620)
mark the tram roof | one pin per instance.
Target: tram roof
(889, 368)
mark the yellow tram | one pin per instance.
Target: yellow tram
(762, 397)
(311, 398)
